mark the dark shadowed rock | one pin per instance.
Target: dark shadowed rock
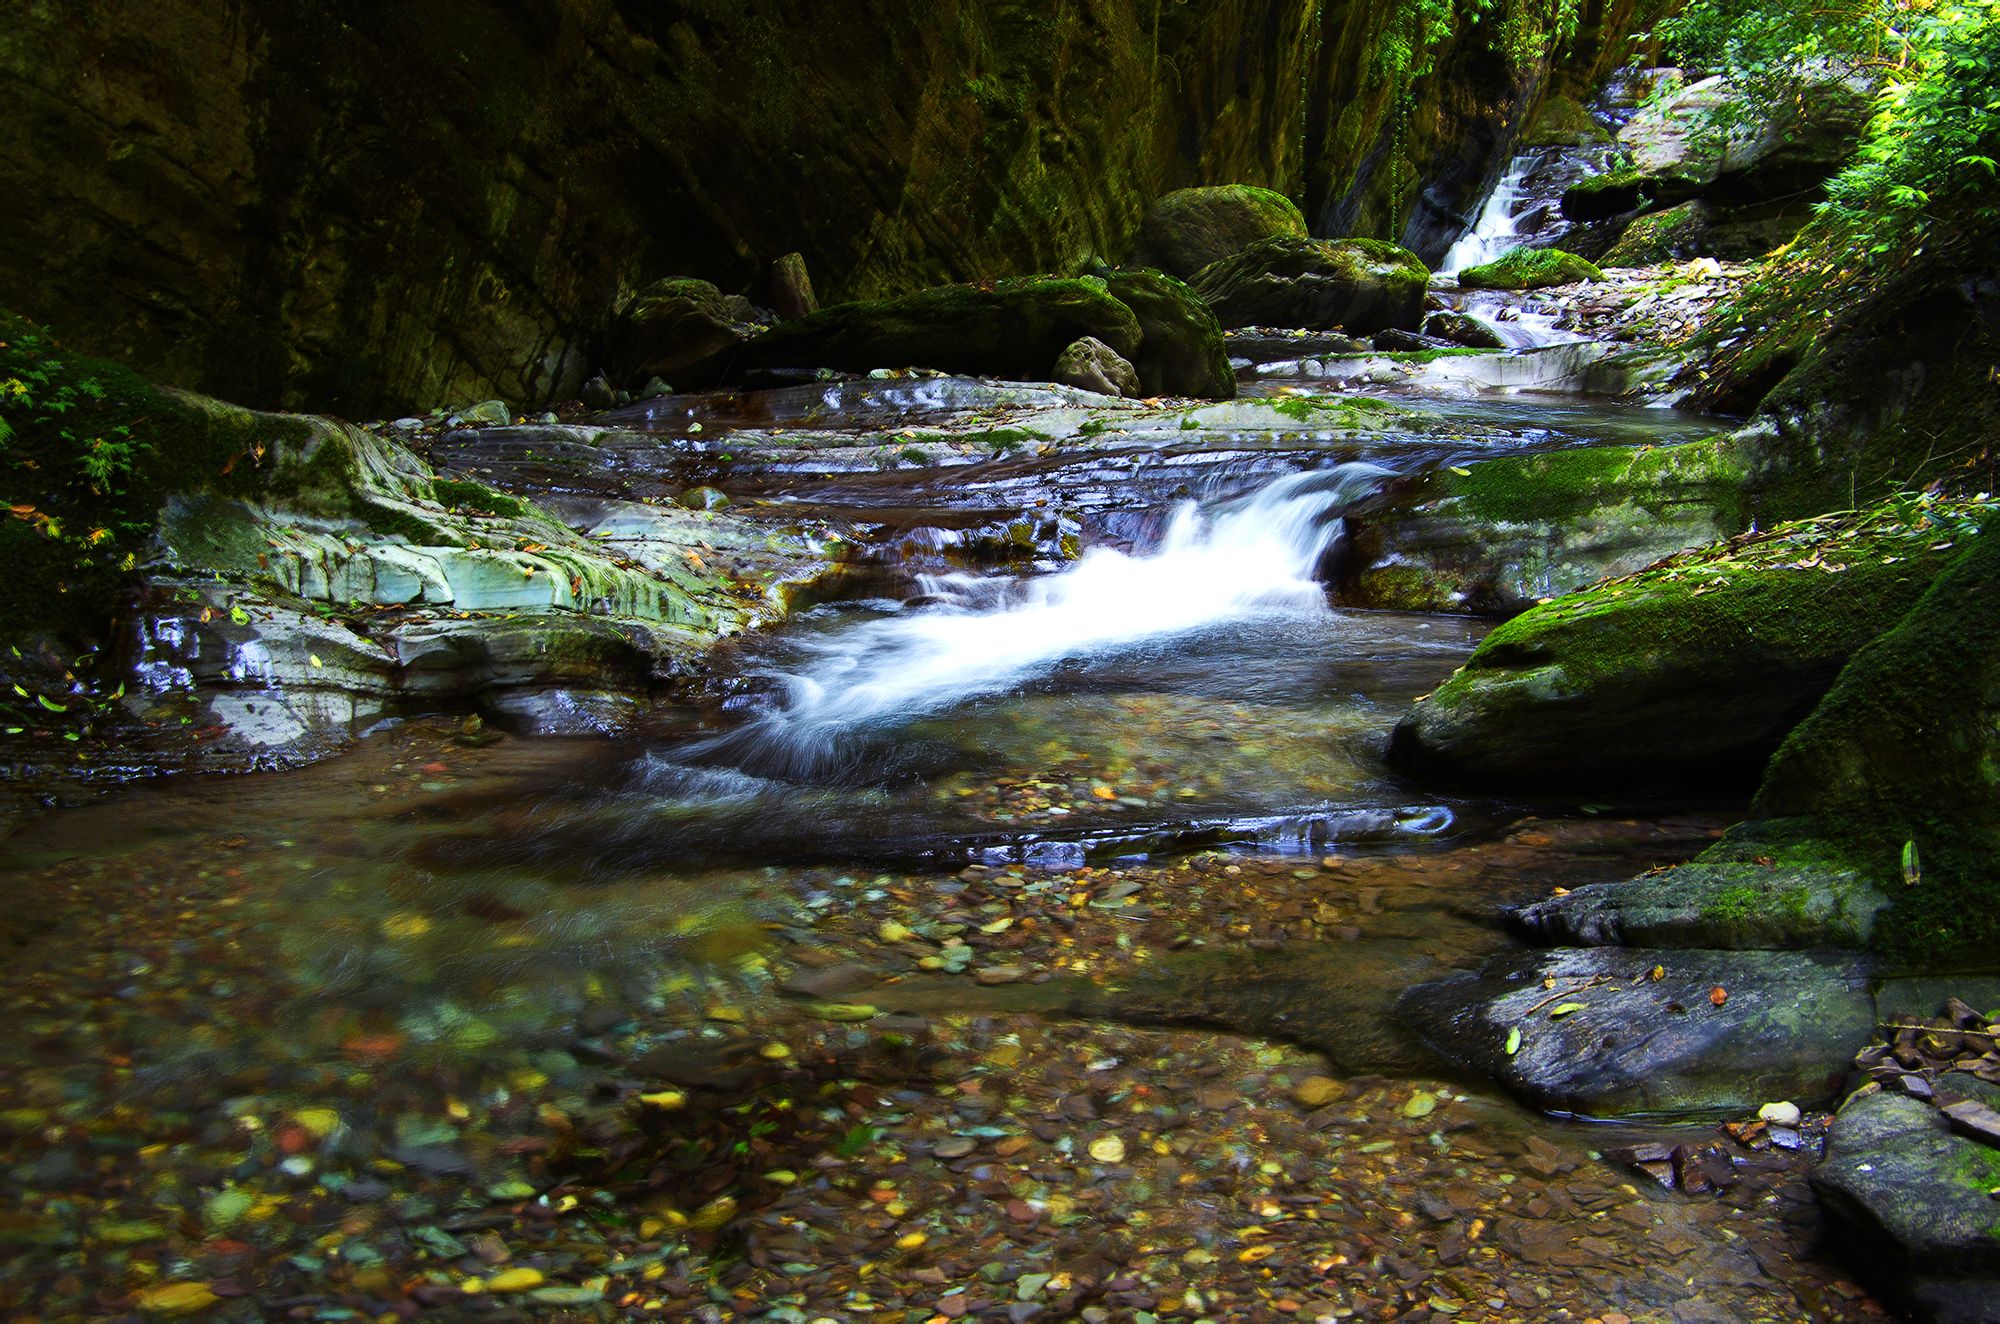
(1785, 1027)
(1918, 1199)
(791, 287)
(1181, 350)
(671, 325)
(1009, 328)
(1357, 285)
(1192, 227)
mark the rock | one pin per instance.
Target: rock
(1181, 348)
(1012, 329)
(1498, 535)
(1696, 666)
(672, 325)
(1091, 365)
(1397, 341)
(1192, 227)
(599, 394)
(1903, 748)
(702, 498)
(1463, 329)
(1780, 1114)
(1915, 1199)
(791, 287)
(1673, 235)
(1562, 121)
(487, 413)
(1710, 131)
(1786, 1029)
(1797, 898)
(1356, 285)
(1529, 269)
(654, 388)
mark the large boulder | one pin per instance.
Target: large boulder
(1916, 1199)
(1356, 285)
(1608, 1038)
(1698, 665)
(1192, 227)
(1008, 328)
(1713, 131)
(672, 325)
(1905, 748)
(1529, 269)
(1498, 535)
(1181, 350)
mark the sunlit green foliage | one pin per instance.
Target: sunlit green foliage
(1930, 151)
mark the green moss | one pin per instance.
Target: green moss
(1664, 236)
(88, 451)
(1732, 904)
(1529, 269)
(1557, 485)
(1904, 748)
(459, 494)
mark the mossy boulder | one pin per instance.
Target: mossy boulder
(1673, 235)
(1009, 328)
(1498, 535)
(1181, 348)
(1737, 896)
(1360, 286)
(671, 325)
(1695, 667)
(1913, 1198)
(1905, 747)
(1192, 227)
(1562, 121)
(1529, 269)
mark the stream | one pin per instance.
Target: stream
(1000, 937)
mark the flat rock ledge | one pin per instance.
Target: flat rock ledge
(1601, 1034)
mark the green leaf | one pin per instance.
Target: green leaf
(1567, 1008)
(1913, 869)
(51, 704)
(1513, 1041)
(240, 616)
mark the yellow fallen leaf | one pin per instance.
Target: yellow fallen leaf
(515, 1280)
(177, 1298)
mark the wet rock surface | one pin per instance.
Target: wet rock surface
(1754, 903)
(1355, 285)
(1601, 1035)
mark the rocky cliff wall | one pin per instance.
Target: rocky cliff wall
(366, 205)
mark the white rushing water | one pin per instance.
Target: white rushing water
(1244, 557)
(1492, 231)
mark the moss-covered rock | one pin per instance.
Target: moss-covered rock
(671, 325)
(1192, 227)
(1529, 269)
(1672, 235)
(1697, 666)
(1562, 121)
(1357, 285)
(1498, 535)
(1009, 328)
(1905, 747)
(1181, 347)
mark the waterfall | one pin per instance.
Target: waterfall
(1492, 231)
(1255, 554)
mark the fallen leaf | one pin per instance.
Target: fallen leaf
(1718, 995)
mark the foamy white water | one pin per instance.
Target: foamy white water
(1492, 231)
(1245, 557)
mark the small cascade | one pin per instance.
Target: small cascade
(1493, 231)
(1213, 565)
